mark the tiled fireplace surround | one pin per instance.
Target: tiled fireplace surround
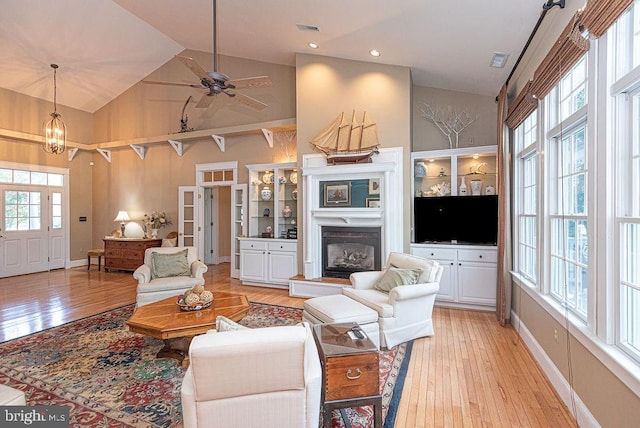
(387, 166)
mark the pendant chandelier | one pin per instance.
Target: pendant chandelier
(54, 132)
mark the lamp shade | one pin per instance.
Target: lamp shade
(122, 216)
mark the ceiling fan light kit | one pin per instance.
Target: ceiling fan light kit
(54, 131)
(216, 82)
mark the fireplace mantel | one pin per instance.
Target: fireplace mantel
(386, 166)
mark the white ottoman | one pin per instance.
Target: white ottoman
(11, 396)
(338, 308)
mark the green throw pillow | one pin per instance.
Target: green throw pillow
(395, 277)
(164, 265)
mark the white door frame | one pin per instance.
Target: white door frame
(64, 189)
(201, 184)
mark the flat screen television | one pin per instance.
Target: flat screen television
(459, 219)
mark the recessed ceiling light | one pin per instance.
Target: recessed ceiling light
(313, 45)
(475, 156)
(374, 52)
(499, 59)
(303, 27)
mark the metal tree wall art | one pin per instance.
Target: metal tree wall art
(287, 142)
(450, 122)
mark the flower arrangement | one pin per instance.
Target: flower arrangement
(156, 220)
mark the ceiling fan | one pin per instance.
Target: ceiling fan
(216, 82)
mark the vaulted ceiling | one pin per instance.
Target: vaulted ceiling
(104, 47)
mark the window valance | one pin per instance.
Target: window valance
(596, 18)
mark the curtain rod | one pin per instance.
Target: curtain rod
(545, 8)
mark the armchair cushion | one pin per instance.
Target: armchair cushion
(395, 277)
(165, 265)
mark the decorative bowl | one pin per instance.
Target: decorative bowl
(193, 307)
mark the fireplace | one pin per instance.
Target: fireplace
(350, 249)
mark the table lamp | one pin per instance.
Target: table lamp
(122, 217)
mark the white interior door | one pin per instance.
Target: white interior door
(24, 241)
(238, 224)
(188, 216)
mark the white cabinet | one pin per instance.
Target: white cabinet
(469, 277)
(268, 262)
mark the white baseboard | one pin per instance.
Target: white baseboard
(584, 417)
(77, 263)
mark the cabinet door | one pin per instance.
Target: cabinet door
(282, 266)
(477, 283)
(448, 281)
(253, 265)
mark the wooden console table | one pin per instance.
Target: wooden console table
(350, 371)
(125, 253)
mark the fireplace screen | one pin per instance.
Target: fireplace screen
(349, 249)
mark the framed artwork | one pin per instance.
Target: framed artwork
(337, 194)
(373, 202)
(374, 186)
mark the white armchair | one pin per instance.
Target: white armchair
(266, 377)
(151, 289)
(405, 312)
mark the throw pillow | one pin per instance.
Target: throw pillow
(169, 242)
(164, 265)
(395, 277)
(225, 324)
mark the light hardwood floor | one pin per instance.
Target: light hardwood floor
(472, 373)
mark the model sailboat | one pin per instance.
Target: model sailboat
(347, 141)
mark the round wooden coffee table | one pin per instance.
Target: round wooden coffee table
(165, 320)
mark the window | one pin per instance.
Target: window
(628, 220)
(21, 210)
(525, 138)
(625, 35)
(17, 176)
(56, 210)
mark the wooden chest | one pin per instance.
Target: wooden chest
(350, 371)
(351, 376)
(126, 254)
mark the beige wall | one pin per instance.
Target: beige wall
(482, 132)
(147, 110)
(26, 114)
(608, 399)
(327, 86)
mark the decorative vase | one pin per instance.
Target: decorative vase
(154, 233)
(266, 193)
(463, 187)
(266, 212)
(419, 170)
(282, 180)
(294, 194)
(489, 190)
(286, 212)
(293, 177)
(476, 187)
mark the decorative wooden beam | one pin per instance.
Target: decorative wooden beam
(219, 139)
(268, 134)
(106, 153)
(177, 146)
(140, 150)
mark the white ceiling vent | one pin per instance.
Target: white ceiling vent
(499, 59)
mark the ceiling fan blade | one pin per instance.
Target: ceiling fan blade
(205, 101)
(194, 66)
(157, 82)
(251, 82)
(248, 101)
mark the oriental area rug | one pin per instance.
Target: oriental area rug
(110, 377)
